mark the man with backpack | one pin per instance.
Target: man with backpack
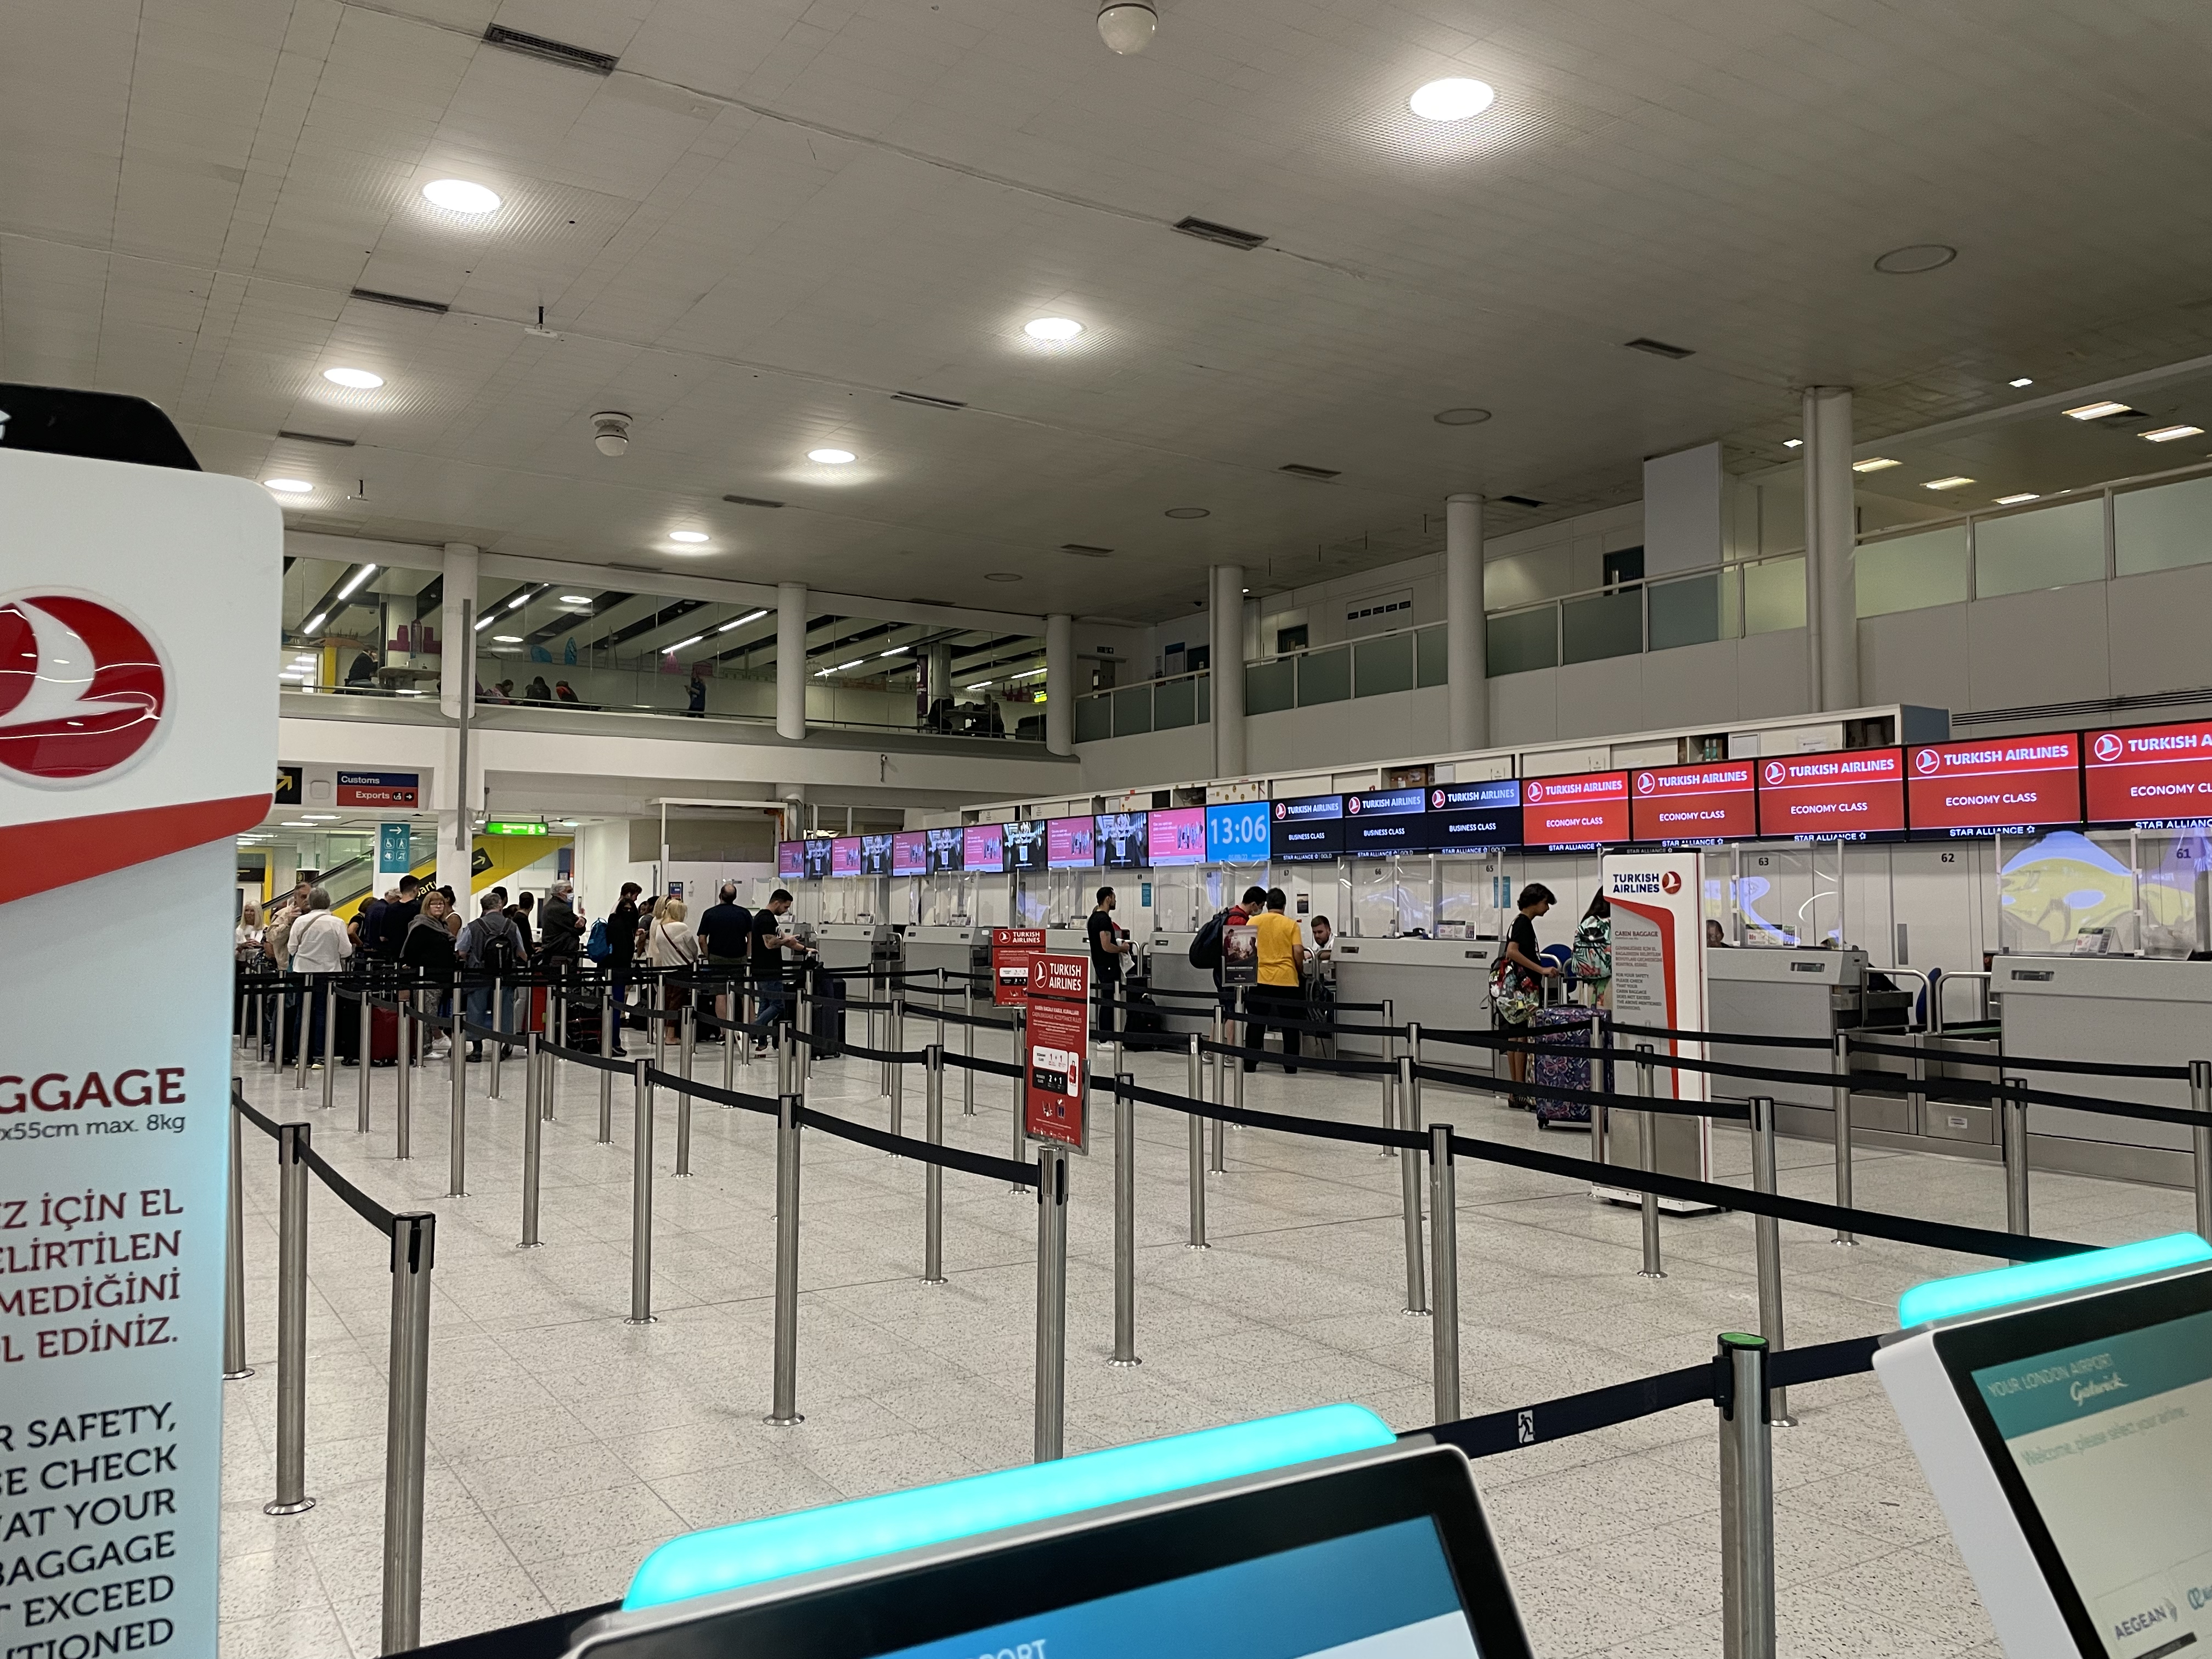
(490, 947)
(1206, 949)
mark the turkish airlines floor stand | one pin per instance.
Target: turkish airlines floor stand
(564, 1444)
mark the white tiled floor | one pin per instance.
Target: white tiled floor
(564, 1443)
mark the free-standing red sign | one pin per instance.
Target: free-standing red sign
(1011, 951)
(1847, 794)
(2152, 775)
(1981, 788)
(1057, 1051)
(1716, 802)
(1582, 809)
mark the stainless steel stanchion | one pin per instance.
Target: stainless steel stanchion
(1243, 1031)
(687, 1046)
(894, 1071)
(640, 1200)
(234, 1368)
(1443, 1246)
(456, 1136)
(786, 1056)
(556, 1031)
(734, 1041)
(1766, 1235)
(806, 1023)
(361, 1059)
(968, 1050)
(2015, 1154)
(1839, 1099)
(406, 1418)
(302, 999)
(1647, 1160)
(932, 1179)
(748, 1005)
(1746, 1501)
(402, 1115)
(1125, 1221)
(1021, 1088)
(1051, 1302)
(292, 1142)
(2200, 1100)
(1196, 1084)
(1409, 1199)
(684, 1132)
(1222, 1062)
(533, 1139)
(499, 1025)
(330, 1040)
(606, 1076)
(783, 1410)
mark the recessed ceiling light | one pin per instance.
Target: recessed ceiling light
(1874, 463)
(1456, 98)
(2023, 381)
(1793, 443)
(1052, 328)
(831, 457)
(1916, 259)
(459, 195)
(359, 379)
(1188, 512)
(2097, 411)
(506, 638)
(296, 823)
(690, 537)
(288, 486)
(319, 817)
(1001, 576)
(2167, 435)
(1951, 483)
(575, 599)
(1467, 417)
(2014, 500)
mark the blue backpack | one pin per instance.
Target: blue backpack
(597, 947)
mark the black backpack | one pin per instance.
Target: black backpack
(502, 956)
(1206, 949)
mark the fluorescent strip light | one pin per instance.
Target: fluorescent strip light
(978, 686)
(1875, 463)
(681, 645)
(1951, 483)
(315, 622)
(2167, 435)
(2014, 500)
(739, 621)
(518, 600)
(353, 587)
(1031, 675)
(1793, 443)
(486, 620)
(842, 667)
(2023, 381)
(895, 651)
(2097, 411)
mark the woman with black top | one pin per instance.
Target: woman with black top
(621, 949)
(426, 951)
(1524, 968)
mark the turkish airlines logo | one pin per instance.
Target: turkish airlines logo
(1645, 783)
(1436, 801)
(1670, 881)
(1533, 790)
(1927, 762)
(1281, 812)
(2108, 747)
(83, 690)
(1351, 805)
(1775, 772)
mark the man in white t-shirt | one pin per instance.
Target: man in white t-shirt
(320, 945)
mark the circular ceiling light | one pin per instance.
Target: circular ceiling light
(289, 486)
(1001, 576)
(459, 195)
(1054, 329)
(359, 379)
(831, 457)
(575, 599)
(1188, 512)
(1911, 261)
(1460, 417)
(1456, 99)
(1127, 27)
(690, 536)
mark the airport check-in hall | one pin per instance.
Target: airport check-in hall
(1103, 827)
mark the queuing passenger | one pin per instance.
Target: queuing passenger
(725, 937)
(559, 932)
(490, 947)
(622, 950)
(770, 941)
(1517, 977)
(1275, 1000)
(367, 923)
(399, 919)
(1591, 959)
(426, 951)
(453, 912)
(246, 953)
(1109, 945)
(519, 914)
(319, 948)
(276, 936)
(671, 943)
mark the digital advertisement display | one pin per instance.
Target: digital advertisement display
(1024, 844)
(1475, 818)
(815, 849)
(2155, 777)
(983, 849)
(791, 860)
(1070, 843)
(1306, 828)
(1236, 833)
(1677, 805)
(1846, 794)
(945, 849)
(1576, 810)
(1121, 839)
(1178, 836)
(845, 856)
(1995, 785)
(910, 853)
(875, 856)
(1380, 822)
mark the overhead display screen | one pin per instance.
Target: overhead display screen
(1995, 786)
(2155, 777)
(1070, 843)
(1678, 805)
(1847, 794)
(946, 847)
(845, 856)
(816, 850)
(791, 860)
(1122, 840)
(1377, 823)
(1578, 810)
(875, 856)
(910, 853)
(983, 849)
(1236, 833)
(1306, 828)
(1475, 818)
(1178, 836)
(1024, 844)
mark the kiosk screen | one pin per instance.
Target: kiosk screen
(1307, 829)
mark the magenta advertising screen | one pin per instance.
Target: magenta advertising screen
(1070, 843)
(1178, 836)
(845, 856)
(791, 860)
(910, 853)
(985, 848)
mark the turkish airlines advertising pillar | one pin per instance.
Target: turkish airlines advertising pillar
(138, 613)
(1659, 979)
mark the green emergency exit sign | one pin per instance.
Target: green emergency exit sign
(512, 827)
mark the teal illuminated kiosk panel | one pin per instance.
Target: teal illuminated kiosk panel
(2062, 1413)
(1358, 1548)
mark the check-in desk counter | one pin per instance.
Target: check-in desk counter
(1168, 964)
(2129, 1010)
(1442, 983)
(956, 950)
(846, 947)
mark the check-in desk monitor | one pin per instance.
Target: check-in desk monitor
(2069, 1439)
(1384, 1555)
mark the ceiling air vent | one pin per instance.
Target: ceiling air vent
(925, 400)
(1658, 348)
(317, 438)
(552, 51)
(1521, 500)
(405, 301)
(750, 501)
(1297, 471)
(1206, 231)
(1083, 552)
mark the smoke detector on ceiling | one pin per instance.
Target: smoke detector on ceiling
(611, 432)
(1128, 26)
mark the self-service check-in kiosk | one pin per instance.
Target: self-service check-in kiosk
(2062, 1411)
(852, 946)
(931, 945)
(1440, 983)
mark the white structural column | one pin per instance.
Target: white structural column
(791, 660)
(457, 797)
(1832, 607)
(1466, 694)
(1059, 684)
(1226, 670)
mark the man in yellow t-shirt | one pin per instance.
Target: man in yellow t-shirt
(1278, 994)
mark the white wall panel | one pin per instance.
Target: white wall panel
(1915, 656)
(1598, 697)
(2156, 627)
(2042, 647)
(1525, 708)
(1696, 685)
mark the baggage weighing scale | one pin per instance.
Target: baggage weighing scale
(2063, 1412)
(1310, 1534)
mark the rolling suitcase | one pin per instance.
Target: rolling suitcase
(1561, 1028)
(828, 994)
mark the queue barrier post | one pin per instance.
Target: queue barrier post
(414, 1242)
(329, 1041)
(894, 1071)
(783, 1410)
(300, 999)
(733, 1041)
(2200, 1098)
(1647, 1160)
(533, 1139)
(688, 1039)
(1051, 1304)
(640, 1196)
(499, 1025)
(607, 1076)
(1021, 1089)
(557, 1032)
(1243, 1024)
(683, 1113)
(365, 1049)
(402, 1115)
(1219, 1128)
(1839, 1096)
(1747, 1470)
(292, 1143)
(1602, 1074)
(932, 1179)
(1444, 1247)
(1766, 1236)
(2015, 1154)
(1125, 1221)
(968, 1050)
(234, 1368)
(1409, 1195)
(806, 1023)
(1195, 1083)
(457, 1139)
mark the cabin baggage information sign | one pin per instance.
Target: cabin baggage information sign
(137, 739)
